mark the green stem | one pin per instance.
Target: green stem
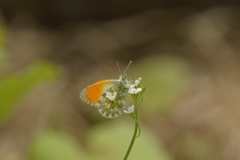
(137, 126)
(133, 139)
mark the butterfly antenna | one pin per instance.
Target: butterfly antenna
(119, 68)
(131, 75)
(127, 66)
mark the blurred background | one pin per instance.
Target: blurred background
(187, 53)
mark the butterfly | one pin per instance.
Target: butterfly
(109, 96)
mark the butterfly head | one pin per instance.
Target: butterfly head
(123, 76)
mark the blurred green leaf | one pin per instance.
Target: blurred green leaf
(3, 58)
(111, 141)
(3, 36)
(165, 78)
(13, 87)
(55, 146)
(3, 40)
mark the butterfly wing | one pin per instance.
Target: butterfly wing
(112, 108)
(92, 94)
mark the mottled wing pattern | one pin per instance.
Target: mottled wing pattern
(112, 108)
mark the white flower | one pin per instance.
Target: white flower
(133, 90)
(137, 82)
(129, 110)
(132, 87)
(111, 96)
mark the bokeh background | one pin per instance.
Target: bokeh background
(187, 53)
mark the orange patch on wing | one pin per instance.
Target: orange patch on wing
(96, 90)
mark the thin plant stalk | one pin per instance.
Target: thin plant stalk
(133, 139)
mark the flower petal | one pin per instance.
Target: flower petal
(130, 110)
(137, 82)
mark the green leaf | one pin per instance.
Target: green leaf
(52, 145)
(14, 86)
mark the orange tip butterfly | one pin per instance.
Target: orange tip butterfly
(109, 96)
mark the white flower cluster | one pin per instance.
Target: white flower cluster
(133, 87)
